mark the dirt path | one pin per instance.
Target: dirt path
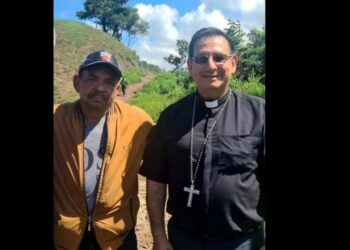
(143, 229)
(133, 88)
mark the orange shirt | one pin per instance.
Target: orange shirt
(117, 203)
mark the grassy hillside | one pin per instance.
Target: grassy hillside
(73, 41)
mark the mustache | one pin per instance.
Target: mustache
(97, 93)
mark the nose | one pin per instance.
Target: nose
(101, 86)
(211, 64)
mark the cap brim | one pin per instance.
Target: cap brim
(102, 62)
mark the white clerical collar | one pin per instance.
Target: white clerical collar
(211, 104)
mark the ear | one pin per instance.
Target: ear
(76, 83)
(116, 90)
(189, 65)
(234, 62)
(117, 87)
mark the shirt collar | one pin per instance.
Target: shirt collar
(215, 103)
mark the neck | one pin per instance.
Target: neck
(92, 120)
(211, 96)
(92, 116)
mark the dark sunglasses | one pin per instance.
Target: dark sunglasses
(217, 58)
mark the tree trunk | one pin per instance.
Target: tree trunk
(129, 38)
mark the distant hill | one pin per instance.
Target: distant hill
(74, 40)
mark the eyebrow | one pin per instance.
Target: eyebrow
(94, 74)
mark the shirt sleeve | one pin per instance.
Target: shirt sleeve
(262, 173)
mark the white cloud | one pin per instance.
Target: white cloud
(161, 19)
(251, 13)
(166, 26)
(162, 35)
(244, 6)
(195, 20)
(154, 54)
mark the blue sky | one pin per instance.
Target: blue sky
(170, 20)
(66, 9)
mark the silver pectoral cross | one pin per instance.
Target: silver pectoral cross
(190, 191)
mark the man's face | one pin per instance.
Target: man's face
(212, 66)
(97, 87)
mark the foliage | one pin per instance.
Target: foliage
(74, 40)
(251, 53)
(249, 47)
(140, 28)
(184, 79)
(235, 32)
(133, 74)
(164, 84)
(150, 67)
(182, 50)
(250, 87)
(167, 88)
(152, 103)
(114, 17)
(252, 56)
(159, 93)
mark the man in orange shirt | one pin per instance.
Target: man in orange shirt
(98, 147)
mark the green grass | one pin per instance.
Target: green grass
(250, 87)
(152, 103)
(74, 40)
(159, 93)
(166, 89)
(134, 75)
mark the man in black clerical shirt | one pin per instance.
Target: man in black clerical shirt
(209, 149)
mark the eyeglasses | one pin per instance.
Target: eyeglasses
(217, 58)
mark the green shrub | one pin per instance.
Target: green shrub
(152, 103)
(166, 88)
(133, 75)
(250, 87)
(159, 93)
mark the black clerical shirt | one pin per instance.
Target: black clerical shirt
(229, 177)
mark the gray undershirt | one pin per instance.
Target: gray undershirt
(94, 148)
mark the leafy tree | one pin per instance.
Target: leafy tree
(252, 56)
(123, 19)
(235, 32)
(182, 50)
(114, 17)
(100, 10)
(140, 28)
(128, 20)
(251, 53)
(150, 67)
(250, 49)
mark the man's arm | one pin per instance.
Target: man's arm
(155, 197)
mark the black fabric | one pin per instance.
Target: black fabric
(228, 176)
(184, 240)
(89, 241)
